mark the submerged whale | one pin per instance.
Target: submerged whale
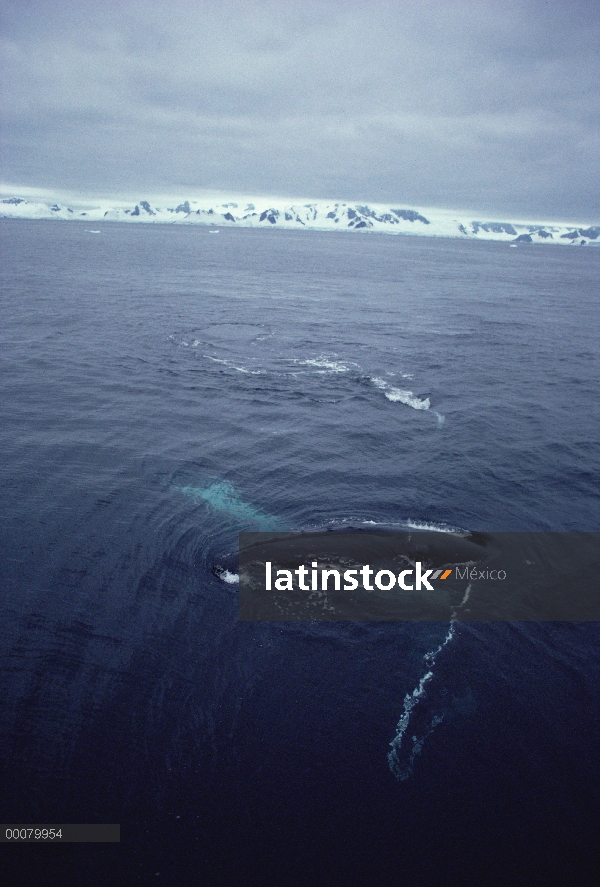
(224, 498)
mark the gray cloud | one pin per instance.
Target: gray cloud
(484, 106)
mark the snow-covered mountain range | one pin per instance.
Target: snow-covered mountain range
(319, 215)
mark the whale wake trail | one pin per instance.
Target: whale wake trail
(406, 397)
(402, 756)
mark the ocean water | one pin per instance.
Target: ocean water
(163, 390)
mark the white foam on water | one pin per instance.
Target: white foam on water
(400, 395)
(233, 366)
(401, 759)
(408, 398)
(463, 602)
(325, 364)
(229, 578)
(466, 597)
(402, 375)
(437, 528)
(398, 525)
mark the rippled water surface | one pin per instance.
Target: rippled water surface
(163, 390)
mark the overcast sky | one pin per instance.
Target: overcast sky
(487, 106)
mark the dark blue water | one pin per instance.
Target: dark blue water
(163, 389)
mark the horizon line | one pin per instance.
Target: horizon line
(203, 195)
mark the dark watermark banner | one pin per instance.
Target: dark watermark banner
(419, 575)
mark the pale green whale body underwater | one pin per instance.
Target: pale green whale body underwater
(223, 497)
